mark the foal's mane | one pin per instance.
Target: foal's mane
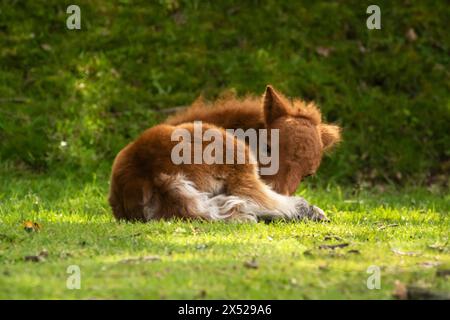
(248, 106)
(307, 110)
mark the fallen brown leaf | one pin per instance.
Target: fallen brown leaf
(438, 246)
(31, 226)
(411, 35)
(361, 48)
(179, 18)
(400, 291)
(332, 237)
(324, 51)
(429, 264)
(151, 258)
(40, 257)
(408, 253)
(141, 259)
(43, 253)
(252, 264)
(64, 254)
(36, 258)
(388, 226)
(333, 246)
(46, 47)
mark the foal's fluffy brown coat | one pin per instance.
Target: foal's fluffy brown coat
(146, 184)
(303, 136)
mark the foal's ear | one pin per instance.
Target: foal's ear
(330, 134)
(274, 104)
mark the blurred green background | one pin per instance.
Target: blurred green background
(71, 99)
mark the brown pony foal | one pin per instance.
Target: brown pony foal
(146, 183)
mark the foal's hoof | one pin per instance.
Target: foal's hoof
(317, 214)
(306, 211)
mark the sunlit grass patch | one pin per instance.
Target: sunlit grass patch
(404, 233)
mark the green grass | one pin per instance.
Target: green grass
(70, 100)
(208, 260)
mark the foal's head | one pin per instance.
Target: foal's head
(303, 138)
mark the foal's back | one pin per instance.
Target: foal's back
(229, 113)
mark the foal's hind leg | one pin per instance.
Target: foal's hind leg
(263, 203)
(177, 196)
